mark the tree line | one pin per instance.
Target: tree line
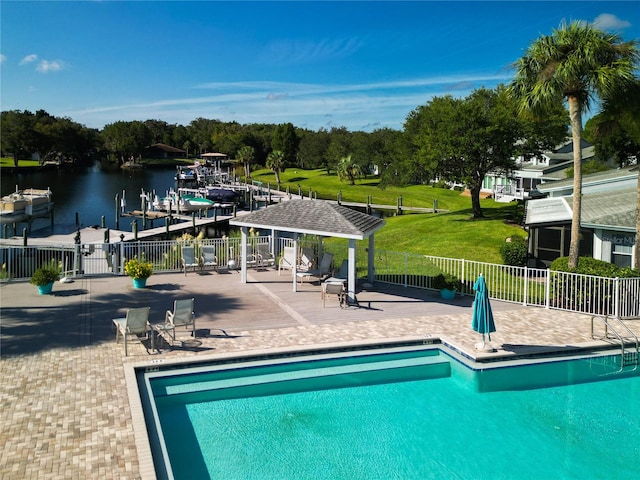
(451, 139)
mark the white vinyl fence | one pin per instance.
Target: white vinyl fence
(619, 297)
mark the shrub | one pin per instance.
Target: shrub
(591, 266)
(514, 251)
(445, 280)
(46, 274)
(138, 269)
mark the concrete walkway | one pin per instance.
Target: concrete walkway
(65, 411)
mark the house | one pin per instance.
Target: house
(161, 150)
(608, 218)
(522, 183)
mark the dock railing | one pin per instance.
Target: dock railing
(589, 294)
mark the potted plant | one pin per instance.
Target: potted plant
(447, 284)
(45, 276)
(139, 271)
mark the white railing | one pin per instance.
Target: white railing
(619, 297)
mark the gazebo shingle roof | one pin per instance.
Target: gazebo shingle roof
(315, 217)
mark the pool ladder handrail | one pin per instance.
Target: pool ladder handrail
(628, 358)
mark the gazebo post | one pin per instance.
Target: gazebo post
(294, 270)
(351, 290)
(371, 258)
(243, 254)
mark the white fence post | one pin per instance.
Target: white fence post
(547, 290)
(526, 286)
(616, 297)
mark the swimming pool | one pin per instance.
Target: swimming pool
(412, 411)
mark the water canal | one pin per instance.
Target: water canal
(90, 193)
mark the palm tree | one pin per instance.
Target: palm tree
(582, 64)
(246, 155)
(275, 161)
(348, 170)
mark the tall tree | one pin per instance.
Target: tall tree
(246, 156)
(348, 169)
(312, 152)
(18, 134)
(126, 140)
(275, 161)
(286, 141)
(462, 140)
(578, 63)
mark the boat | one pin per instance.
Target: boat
(187, 174)
(22, 205)
(224, 196)
(182, 201)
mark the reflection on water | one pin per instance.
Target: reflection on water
(89, 193)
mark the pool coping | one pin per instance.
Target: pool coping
(143, 446)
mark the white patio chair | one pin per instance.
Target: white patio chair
(136, 323)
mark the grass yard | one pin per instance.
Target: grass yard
(8, 162)
(451, 233)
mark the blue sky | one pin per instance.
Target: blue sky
(361, 65)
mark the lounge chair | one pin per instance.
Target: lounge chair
(181, 316)
(208, 257)
(287, 260)
(321, 272)
(334, 288)
(265, 257)
(342, 273)
(189, 259)
(135, 323)
(252, 258)
(306, 260)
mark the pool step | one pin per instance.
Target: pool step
(337, 376)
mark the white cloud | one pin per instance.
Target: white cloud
(291, 52)
(28, 59)
(2, 58)
(607, 21)
(355, 106)
(46, 66)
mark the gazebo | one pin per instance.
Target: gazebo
(314, 217)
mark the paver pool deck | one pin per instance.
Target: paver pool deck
(64, 405)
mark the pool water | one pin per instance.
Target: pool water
(423, 415)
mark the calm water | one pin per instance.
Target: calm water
(436, 428)
(90, 192)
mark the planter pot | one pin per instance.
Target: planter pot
(45, 289)
(139, 282)
(447, 294)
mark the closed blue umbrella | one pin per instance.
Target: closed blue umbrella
(482, 321)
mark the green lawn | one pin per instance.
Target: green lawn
(452, 233)
(8, 162)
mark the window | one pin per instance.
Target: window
(621, 255)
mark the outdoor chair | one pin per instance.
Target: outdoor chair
(343, 271)
(208, 257)
(306, 260)
(265, 257)
(135, 323)
(189, 259)
(287, 260)
(321, 272)
(252, 258)
(181, 316)
(334, 288)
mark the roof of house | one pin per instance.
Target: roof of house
(611, 210)
(314, 217)
(166, 148)
(608, 176)
(614, 209)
